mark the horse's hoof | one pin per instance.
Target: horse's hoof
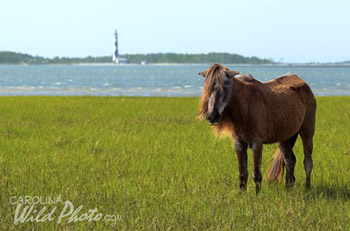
(308, 184)
(290, 181)
(242, 187)
(257, 188)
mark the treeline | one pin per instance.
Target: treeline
(195, 58)
(7, 57)
(19, 58)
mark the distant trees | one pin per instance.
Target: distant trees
(89, 59)
(195, 58)
(7, 57)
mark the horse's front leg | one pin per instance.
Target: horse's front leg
(257, 156)
(241, 152)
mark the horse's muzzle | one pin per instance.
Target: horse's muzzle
(213, 119)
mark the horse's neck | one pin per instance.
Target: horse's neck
(239, 100)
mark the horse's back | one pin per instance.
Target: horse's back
(286, 81)
(291, 85)
(284, 87)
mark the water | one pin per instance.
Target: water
(171, 80)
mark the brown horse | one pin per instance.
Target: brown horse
(257, 113)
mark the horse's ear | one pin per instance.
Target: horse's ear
(230, 74)
(203, 73)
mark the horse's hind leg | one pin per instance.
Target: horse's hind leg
(286, 148)
(308, 146)
(257, 156)
(306, 134)
(307, 131)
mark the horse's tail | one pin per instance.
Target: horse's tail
(275, 172)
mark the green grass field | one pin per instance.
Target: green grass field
(152, 165)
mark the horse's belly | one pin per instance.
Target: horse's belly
(285, 125)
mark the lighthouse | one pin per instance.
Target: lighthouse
(115, 57)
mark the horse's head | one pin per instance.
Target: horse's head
(216, 92)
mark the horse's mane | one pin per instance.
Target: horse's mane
(214, 76)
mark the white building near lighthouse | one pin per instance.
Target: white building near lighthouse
(115, 57)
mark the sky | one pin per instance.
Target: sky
(282, 30)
